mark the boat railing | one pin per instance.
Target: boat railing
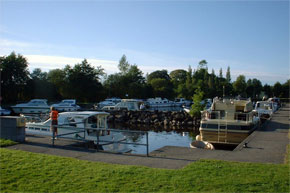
(238, 116)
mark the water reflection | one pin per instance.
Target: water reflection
(158, 137)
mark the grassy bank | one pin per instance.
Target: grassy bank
(6, 142)
(31, 172)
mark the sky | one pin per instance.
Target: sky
(251, 37)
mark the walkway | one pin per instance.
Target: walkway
(266, 145)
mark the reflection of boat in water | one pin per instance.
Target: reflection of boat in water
(86, 125)
(228, 121)
(33, 106)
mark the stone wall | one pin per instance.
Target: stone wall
(159, 118)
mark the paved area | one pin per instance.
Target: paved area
(266, 145)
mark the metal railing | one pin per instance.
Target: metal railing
(77, 131)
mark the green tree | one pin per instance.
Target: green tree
(277, 88)
(162, 74)
(240, 85)
(82, 82)
(197, 107)
(14, 78)
(202, 64)
(228, 74)
(123, 65)
(221, 73)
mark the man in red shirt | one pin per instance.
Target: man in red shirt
(53, 117)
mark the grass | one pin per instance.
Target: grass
(31, 172)
(6, 142)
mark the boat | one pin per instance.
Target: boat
(107, 102)
(182, 102)
(264, 109)
(82, 125)
(159, 102)
(126, 104)
(66, 105)
(4, 111)
(228, 121)
(33, 106)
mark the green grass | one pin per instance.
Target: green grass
(6, 142)
(31, 172)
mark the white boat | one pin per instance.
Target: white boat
(33, 106)
(66, 105)
(264, 109)
(4, 111)
(85, 125)
(126, 104)
(108, 102)
(228, 121)
(159, 102)
(182, 102)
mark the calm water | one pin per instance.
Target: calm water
(157, 137)
(158, 140)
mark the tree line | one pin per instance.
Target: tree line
(87, 83)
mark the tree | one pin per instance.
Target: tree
(14, 77)
(161, 88)
(162, 74)
(202, 64)
(277, 88)
(221, 73)
(42, 88)
(82, 82)
(123, 65)
(240, 85)
(228, 75)
(197, 106)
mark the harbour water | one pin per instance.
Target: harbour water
(157, 137)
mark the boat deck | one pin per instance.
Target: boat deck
(265, 145)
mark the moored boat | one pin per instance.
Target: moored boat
(85, 125)
(33, 106)
(159, 102)
(66, 105)
(228, 121)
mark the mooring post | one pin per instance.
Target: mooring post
(147, 144)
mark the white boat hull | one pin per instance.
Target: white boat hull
(28, 110)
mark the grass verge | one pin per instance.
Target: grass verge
(6, 142)
(31, 172)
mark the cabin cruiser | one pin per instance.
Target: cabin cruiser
(182, 102)
(159, 102)
(264, 109)
(66, 105)
(126, 104)
(108, 102)
(85, 125)
(228, 121)
(33, 106)
(4, 111)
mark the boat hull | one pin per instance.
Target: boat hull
(28, 110)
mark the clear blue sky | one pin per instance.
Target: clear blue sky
(250, 37)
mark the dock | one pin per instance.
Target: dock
(268, 144)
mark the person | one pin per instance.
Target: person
(53, 116)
